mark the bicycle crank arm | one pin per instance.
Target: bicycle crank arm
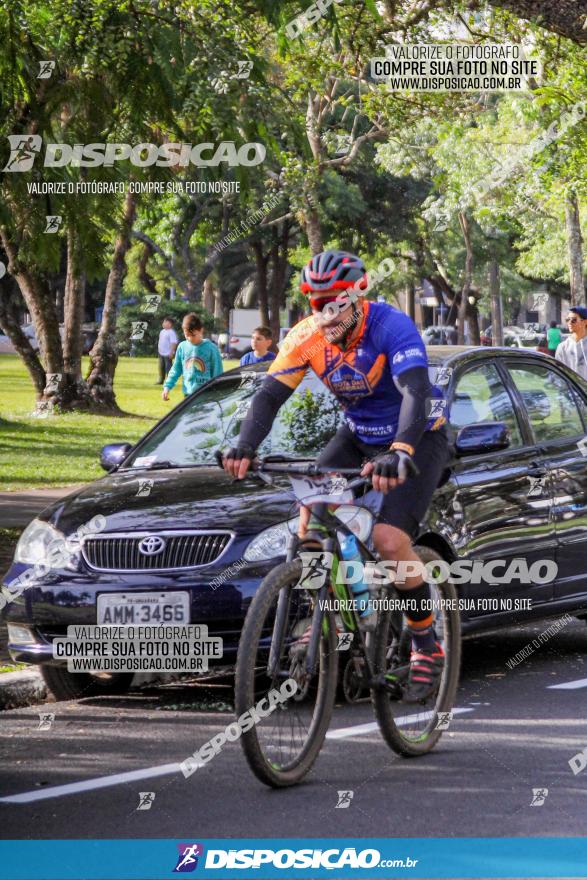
(390, 681)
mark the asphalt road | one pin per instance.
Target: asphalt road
(17, 509)
(518, 732)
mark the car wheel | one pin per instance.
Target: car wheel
(66, 685)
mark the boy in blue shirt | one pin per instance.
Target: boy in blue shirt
(197, 360)
(261, 342)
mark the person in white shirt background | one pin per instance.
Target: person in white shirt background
(166, 348)
(573, 350)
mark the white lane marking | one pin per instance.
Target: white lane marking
(358, 729)
(569, 685)
(90, 784)
(28, 797)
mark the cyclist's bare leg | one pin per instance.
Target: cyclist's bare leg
(394, 545)
(304, 520)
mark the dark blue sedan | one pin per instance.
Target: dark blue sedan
(179, 542)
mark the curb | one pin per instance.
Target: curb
(23, 688)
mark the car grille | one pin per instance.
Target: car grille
(182, 550)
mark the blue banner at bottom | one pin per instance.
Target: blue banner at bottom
(273, 858)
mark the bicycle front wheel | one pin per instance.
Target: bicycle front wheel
(408, 729)
(281, 747)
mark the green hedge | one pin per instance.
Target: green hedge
(147, 346)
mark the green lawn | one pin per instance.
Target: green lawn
(60, 450)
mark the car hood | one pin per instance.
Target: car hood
(179, 498)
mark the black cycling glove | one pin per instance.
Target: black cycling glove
(242, 450)
(395, 465)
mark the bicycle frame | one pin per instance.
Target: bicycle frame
(321, 520)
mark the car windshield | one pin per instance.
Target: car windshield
(212, 419)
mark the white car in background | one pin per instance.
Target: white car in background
(439, 335)
(6, 346)
(529, 341)
(89, 337)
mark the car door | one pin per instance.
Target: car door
(504, 497)
(554, 411)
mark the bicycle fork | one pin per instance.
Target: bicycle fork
(282, 614)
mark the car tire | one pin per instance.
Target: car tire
(66, 685)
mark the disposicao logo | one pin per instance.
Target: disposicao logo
(25, 148)
(187, 860)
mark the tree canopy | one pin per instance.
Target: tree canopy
(447, 184)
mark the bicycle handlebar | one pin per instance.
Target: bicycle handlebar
(294, 467)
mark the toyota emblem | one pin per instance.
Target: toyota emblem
(152, 545)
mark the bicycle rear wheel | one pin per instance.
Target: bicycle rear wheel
(281, 748)
(407, 729)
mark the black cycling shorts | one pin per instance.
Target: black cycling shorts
(405, 506)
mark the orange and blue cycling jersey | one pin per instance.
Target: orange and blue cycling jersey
(361, 375)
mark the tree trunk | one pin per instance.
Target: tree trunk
(73, 307)
(279, 255)
(62, 389)
(314, 231)
(473, 322)
(104, 353)
(411, 301)
(261, 261)
(41, 305)
(575, 246)
(311, 218)
(196, 281)
(209, 298)
(496, 306)
(220, 313)
(146, 280)
(564, 17)
(10, 326)
(468, 276)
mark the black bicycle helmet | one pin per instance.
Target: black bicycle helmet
(333, 270)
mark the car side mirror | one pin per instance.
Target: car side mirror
(113, 454)
(482, 437)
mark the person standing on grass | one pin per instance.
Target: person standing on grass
(573, 351)
(197, 360)
(166, 348)
(261, 342)
(554, 337)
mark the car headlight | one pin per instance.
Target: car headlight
(271, 542)
(358, 519)
(20, 635)
(43, 545)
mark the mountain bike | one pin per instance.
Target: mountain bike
(298, 621)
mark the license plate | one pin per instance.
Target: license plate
(138, 608)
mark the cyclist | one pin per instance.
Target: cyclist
(372, 358)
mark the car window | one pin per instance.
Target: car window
(212, 420)
(549, 402)
(481, 396)
(582, 404)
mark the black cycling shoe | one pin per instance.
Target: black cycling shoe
(424, 677)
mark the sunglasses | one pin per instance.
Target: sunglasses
(571, 320)
(330, 305)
